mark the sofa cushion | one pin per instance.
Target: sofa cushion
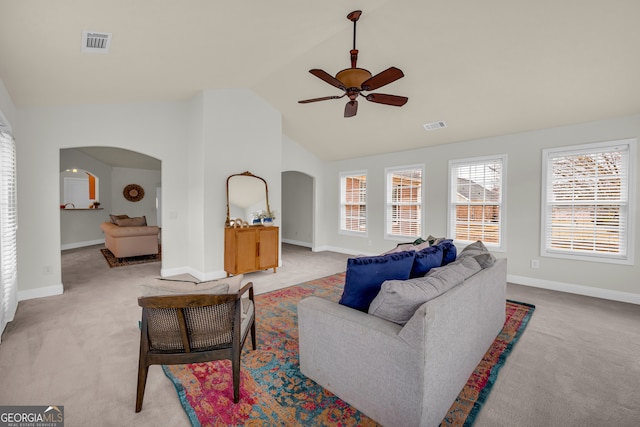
(425, 260)
(398, 300)
(132, 222)
(480, 252)
(403, 247)
(114, 218)
(183, 287)
(449, 253)
(365, 275)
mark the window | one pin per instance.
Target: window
(476, 206)
(586, 202)
(353, 202)
(8, 229)
(404, 202)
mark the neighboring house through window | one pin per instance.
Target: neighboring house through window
(403, 202)
(587, 202)
(476, 200)
(353, 202)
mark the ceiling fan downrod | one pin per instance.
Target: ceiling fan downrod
(353, 17)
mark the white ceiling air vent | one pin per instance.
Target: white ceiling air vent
(94, 42)
(435, 125)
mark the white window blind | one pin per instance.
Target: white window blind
(476, 201)
(8, 230)
(353, 202)
(587, 201)
(404, 202)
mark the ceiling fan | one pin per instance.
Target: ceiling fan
(353, 81)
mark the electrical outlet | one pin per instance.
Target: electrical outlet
(535, 263)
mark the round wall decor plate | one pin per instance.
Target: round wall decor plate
(133, 192)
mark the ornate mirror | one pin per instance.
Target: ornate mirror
(246, 194)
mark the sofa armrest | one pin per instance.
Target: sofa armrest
(361, 359)
(456, 329)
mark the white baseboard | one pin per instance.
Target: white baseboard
(168, 272)
(81, 244)
(297, 243)
(40, 292)
(576, 289)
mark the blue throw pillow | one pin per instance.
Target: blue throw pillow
(425, 260)
(449, 251)
(366, 274)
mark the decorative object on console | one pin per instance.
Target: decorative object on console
(352, 81)
(133, 192)
(263, 217)
(238, 222)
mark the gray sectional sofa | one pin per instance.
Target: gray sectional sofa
(405, 374)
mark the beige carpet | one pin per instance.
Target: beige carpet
(577, 364)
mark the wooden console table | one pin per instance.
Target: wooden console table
(250, 249)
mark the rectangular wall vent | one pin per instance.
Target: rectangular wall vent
(94, 42)
(435, 125)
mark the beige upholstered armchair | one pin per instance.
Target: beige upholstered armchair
(195, 328)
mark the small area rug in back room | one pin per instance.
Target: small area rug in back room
(113, 261)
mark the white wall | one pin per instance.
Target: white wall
(241, 133)
(149, 180)
(156, 130)
(524, 168)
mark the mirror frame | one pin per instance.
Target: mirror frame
(247, 174)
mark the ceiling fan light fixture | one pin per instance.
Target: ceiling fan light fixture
(353, 77)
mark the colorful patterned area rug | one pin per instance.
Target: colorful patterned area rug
(273, 391)
(113, 261)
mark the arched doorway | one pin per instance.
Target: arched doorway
(298, 194)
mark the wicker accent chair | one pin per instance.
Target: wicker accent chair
(182, 329)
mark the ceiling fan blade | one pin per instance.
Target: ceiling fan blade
(324, 98)
(327, 78)
(382, 98)
(351, 109)
(389, 75)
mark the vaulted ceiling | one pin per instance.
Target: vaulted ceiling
(485, 68)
